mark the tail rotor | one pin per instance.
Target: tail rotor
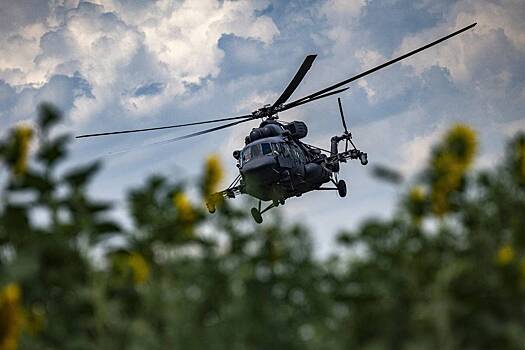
(347, 134)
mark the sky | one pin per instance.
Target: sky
(125, 64)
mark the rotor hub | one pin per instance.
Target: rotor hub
(267, 111)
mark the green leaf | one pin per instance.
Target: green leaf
(98, 207)
(48, 116)
(53, 151)
(15, 218)
(79, 177)
(32, 180)
(107, 227)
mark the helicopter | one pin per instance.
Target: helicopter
(275, 164)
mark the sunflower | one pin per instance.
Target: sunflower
(11, 316)
(139, 268)
(451, 160)
(186, 213)
(213, 175)
(416, 203)
(505, 255)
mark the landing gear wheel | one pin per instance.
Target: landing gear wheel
(341, 188)
(256, 214)
(211, 207)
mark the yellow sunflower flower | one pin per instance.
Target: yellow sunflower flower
(416, 203)
(213, 175)
(505, 255)
(11, 316)
(185, 210)
(139, 268)
(452, 159)
(461, 142)
(23, 135)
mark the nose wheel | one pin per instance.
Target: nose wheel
(257, 216)
(257, 212)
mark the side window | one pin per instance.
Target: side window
(286, 150)
(300, 154)
(266, 149)
(256, 150)
(297, 153)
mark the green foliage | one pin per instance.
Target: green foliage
(447, 274)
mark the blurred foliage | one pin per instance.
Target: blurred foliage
(387, 174)
(446, 271)
(449, 165)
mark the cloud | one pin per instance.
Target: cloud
(415, 152)
(121, 48)
(499, 36)
(509, 129)
(341, 10)
(184, 36)
(61, 90)
(149, 89)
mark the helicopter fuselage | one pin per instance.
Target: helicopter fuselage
(279, 167)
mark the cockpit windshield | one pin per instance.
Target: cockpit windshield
(251, 152)
(246, 155)
(257, 150)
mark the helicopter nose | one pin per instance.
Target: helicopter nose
(260, 170)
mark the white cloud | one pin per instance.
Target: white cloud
(256, 100)
(416, 151)
(497, 22)
(509, 129)
(342, 15)
(341, 10)
(116, 50)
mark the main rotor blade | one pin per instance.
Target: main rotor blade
(342, 116)
(179, 138)
(302, 102)
(246, 117)
(372, 70)
(206, 131)
(296, 80)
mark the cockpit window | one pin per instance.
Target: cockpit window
(259, 149)
(250, 153)
(266, 149)
(246, 155)
(256, 150)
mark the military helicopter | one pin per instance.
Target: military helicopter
(275, 164)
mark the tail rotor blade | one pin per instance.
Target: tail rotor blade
(342, 115)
